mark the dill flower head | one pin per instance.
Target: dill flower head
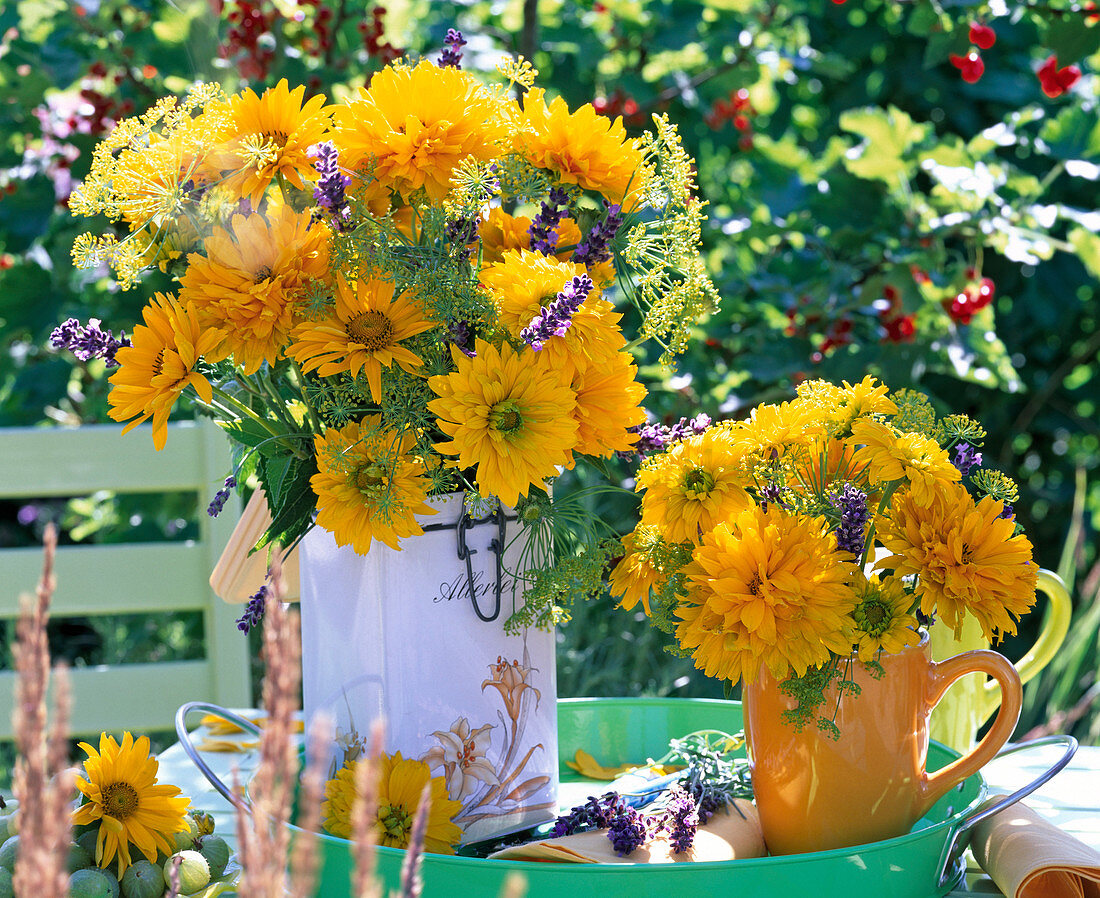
(400, 782)
(693, 486)
(581, 147)
(967, 557)
(524, 282)
(369, 484)
(414, 125)
(608, 405)
(154, 183)
(890, 456)
(766, 588)
(250, 278)
(269, 136)
(160, 364)
(122, 795)
(882, 618)
(363, 332)
(509, 414)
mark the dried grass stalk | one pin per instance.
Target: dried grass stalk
(364, 813)
(42, 782)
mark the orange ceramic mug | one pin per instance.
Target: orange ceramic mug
(816, 793)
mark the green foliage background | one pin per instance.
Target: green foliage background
(861, 158)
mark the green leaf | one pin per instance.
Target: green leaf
(888, 133)
(1073, 134)
(1087, 247)
(294, 517)
(1070, 41)
(278, 471)
(25, 214)
(249, 433)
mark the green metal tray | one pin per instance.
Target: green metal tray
(631, 730)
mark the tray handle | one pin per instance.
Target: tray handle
(248, 726)
(960, 838)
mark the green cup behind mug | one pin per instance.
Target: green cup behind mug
(969, 703)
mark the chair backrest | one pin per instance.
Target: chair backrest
(158, 577)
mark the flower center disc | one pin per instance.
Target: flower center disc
(506, 418)
(698, 482)
(874, 616)
(395, 821)
(369, 478)
(120, 800)
(373, 329)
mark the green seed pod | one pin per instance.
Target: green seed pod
(78, 858)
(8, 852)
(142, 879)
(87, 842)
(6, 890)
(90, 883)
(216, 851)
(194, 871)
(186, 840)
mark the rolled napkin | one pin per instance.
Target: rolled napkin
(727, 836)
(1028, 857)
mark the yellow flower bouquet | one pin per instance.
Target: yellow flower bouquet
(417, 289)
(832, 525)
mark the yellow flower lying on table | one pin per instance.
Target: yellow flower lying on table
(400, 782)
(122, 796)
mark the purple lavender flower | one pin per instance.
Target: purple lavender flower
(331, 185)
(27, 515)
(596, 246)
(771, 493)
(627, 831)
(544, 237)
(555, 319)
(462, 231)
(681, 821)
(1007, 512)
(852, 504)
(87, 343)
(656, 437)
(966, 459)
(462, 335)
(253, 611)
(221, 497)
(596, 813)
(452, 49)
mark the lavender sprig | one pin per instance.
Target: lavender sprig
(966, 459)
(462, 336)
(627, 831)
(451, 57)
(543, 230)
(254, 610)
(656, 437)
(596, 246)
(90, 342)
(330, 192)
(221, 497)
(851, 501)
(555, 319)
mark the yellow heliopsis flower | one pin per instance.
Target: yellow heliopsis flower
(635, 577)
(509, 414)
(369, 484)
(693, 486)
(608, 404)
(251, 276)
(766, 588)
(160, 364)
(882, 618)
(840, 406)
(890, 455)
(523, 282)
(269, 136)
(967, 557)
(775, 430)
(413, 125)
(400, 782)
(581, 147)
(362, 333)
(122, 795)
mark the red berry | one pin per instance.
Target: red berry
(7, 260)
(1055, 81)
(971, 272)
(986, 288)
(970, 66)
(890, 292)
(745, 142)
(900, 329)
(982, 35)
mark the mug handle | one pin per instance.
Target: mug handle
(943, 674)
(1053, 633)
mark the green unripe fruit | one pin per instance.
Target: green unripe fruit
(91, 883)
(8, 827)
(194, 871)
(79, 858)
(6, 889)
(142, 880)
(185, 840)
(112, 881)
(87, 842)
(8, 852)
(216, 851)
